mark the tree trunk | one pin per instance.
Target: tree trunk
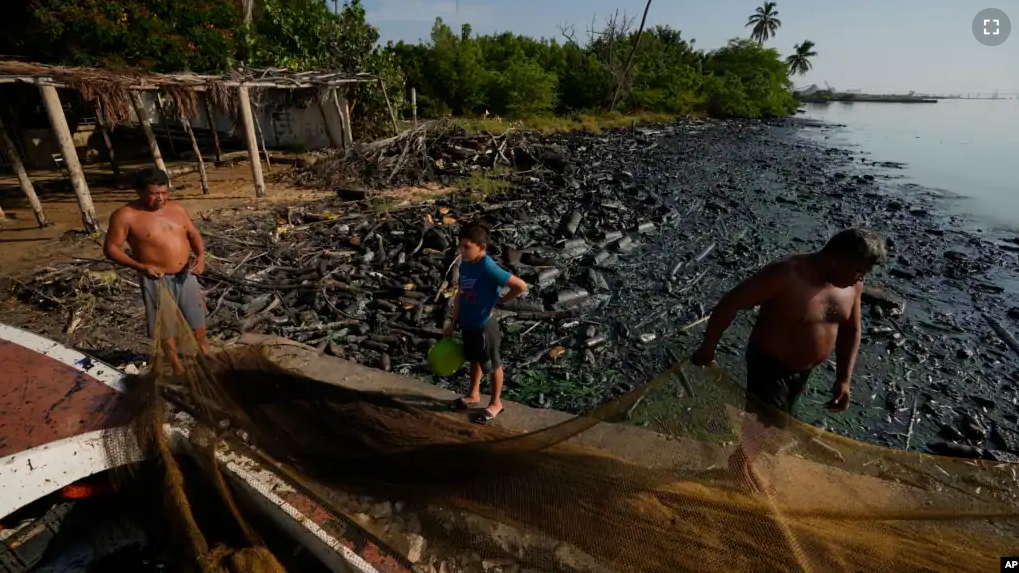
(212, 127)
(249, 132)
(198, 155)
(19, 169)
(629, 61)
(107, 139)
(55, 111)
(143, 119)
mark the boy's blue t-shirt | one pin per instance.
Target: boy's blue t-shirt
(480, 284)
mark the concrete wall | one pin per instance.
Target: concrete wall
(291, 127)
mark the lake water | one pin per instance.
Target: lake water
(968, 149)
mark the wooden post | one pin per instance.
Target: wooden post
(340, 101)
(166, 124)
(331, 117)
(143, 119)
(19, 169)
(392, 116)
(414, 105)
(261, 137)
(55, 111)
(249, 132)
(101, 122)
(198, 156)
(212, 127)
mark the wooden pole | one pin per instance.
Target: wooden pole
(261, 137)
(198, 155)
(340, 101)
(143, 119)
(249, 132)
(414, 105)
(101, 122)
(392, 116)
(331, 119)
(19, 169)
(166, 124)
(211, 117)
(55, 111)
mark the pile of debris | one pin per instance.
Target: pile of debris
(436, 151)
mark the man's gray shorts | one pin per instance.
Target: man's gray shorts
(184, 290)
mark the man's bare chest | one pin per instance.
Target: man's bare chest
(153, 227)
(824, 306)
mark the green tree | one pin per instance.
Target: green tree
(758, 73)
(799, 61)
(150, 34)
(522, 89)
(765, 22)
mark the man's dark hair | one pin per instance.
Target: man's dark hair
(477, 232)
(860, 244)
(150, 176)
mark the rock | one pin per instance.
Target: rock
(983, 402)
(973, 429)
(950, 433)
(879, 296)
(954, 450)
(382, 510)
(964, 353)
(415, 547)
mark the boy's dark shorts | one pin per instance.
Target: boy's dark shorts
(482, 346)
(772, 388)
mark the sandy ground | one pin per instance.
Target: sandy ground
(25, 247)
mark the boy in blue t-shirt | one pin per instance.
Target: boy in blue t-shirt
(481, 281)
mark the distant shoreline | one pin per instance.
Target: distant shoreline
(871, 100)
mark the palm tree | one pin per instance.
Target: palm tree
(765, 22)
(799, 62)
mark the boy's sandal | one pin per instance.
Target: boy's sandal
(460, 404)
(485, 417)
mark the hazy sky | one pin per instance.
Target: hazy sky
(874, 45)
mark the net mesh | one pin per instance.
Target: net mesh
(810, 500)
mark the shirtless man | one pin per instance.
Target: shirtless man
(162, 238)
(810, 306)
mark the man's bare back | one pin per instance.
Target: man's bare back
(799, 325)
(158, 239)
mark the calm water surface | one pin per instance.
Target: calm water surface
(968, 149)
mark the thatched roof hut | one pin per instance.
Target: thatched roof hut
(115, 93)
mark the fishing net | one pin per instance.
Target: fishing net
(669, 499)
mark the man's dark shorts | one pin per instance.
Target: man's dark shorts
(482, 346)
(184, 290)
(772, 387)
